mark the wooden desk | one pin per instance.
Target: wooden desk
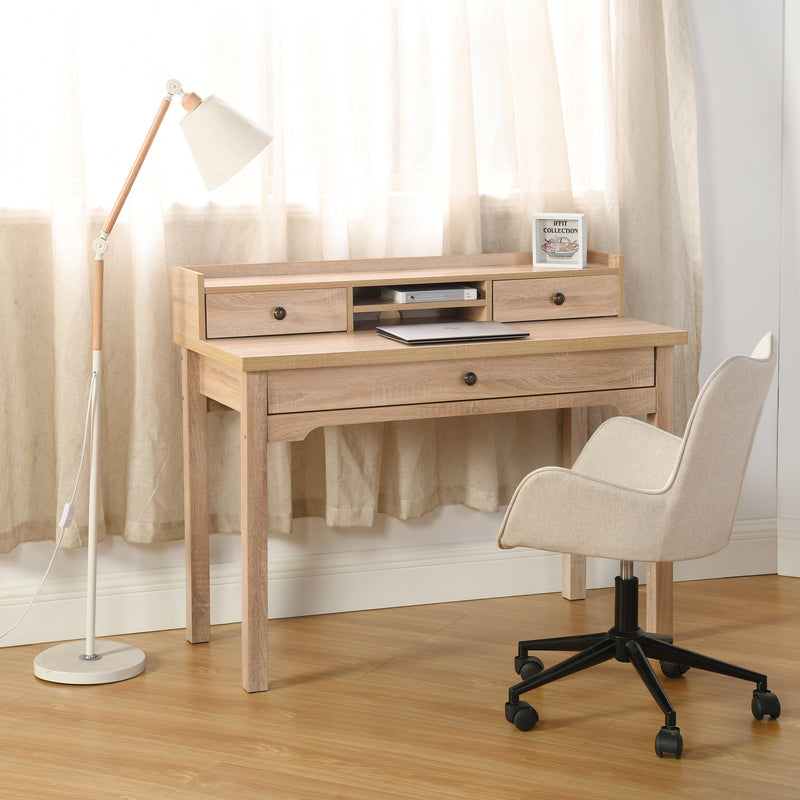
(285, 384)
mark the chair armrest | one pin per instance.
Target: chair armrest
(626, 451)
(564, 511)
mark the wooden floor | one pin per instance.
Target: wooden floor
(408, 703)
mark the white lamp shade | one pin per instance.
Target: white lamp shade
(222, 141)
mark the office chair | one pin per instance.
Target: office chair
(636, 493)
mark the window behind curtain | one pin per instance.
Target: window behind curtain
(352, 88)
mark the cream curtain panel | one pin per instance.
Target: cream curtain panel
(401, 128)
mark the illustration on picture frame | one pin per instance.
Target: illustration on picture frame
(559, 240)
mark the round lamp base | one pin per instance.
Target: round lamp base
(66, 663)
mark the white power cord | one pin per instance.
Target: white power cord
(66, 515)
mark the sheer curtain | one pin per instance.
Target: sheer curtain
(401, 128)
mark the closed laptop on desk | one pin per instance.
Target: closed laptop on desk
(440, 332)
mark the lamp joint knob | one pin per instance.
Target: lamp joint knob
(174, 87)
(100, 247)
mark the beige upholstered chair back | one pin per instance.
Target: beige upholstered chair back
(704, 496)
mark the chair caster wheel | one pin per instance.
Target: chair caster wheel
(672, 670)
(765, 704)
(669, 742)
(528, 666)
(521, 715)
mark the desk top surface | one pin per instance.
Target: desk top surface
(305, 351)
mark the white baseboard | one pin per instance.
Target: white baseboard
(753, 550)
(147, 600)
(789, 547)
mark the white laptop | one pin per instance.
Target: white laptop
(440, 332)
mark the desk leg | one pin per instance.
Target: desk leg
(195, 494)
(659, 575)
(574, 432)
(254, 531)
(659, 597)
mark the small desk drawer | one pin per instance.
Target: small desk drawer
(271, 313)
(556, 298)
(327, 388)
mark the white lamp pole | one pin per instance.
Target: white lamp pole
(222, 142)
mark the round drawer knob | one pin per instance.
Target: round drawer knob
(558, 298)
(470, 379)
(279, 312)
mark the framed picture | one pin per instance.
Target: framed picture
(559, 241)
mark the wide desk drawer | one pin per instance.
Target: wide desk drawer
(272, 313)
(556, 298)
(325, 388)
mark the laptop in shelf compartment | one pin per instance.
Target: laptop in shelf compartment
(442, 332)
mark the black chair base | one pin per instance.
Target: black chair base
(628, 643)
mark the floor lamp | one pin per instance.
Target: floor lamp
(222, 141)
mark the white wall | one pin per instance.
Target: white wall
(789, 419)
(737, 48)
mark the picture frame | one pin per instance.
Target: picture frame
(559, 240)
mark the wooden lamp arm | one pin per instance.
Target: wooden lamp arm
(137, 165)
(100, 245)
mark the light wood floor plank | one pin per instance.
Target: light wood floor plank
(408, 704)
